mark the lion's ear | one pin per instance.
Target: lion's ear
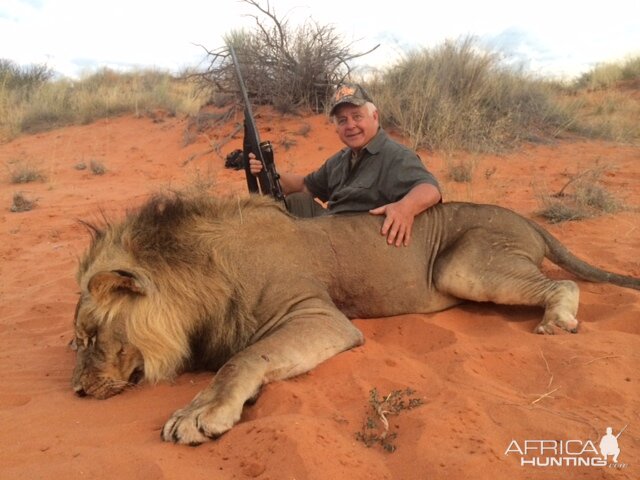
(115, 282)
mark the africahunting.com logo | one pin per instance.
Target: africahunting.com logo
(569, 453)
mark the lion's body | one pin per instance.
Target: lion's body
(239, 284)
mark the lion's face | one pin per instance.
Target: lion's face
(106, 362)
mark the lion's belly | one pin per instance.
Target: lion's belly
(382, 280)
(373, 303)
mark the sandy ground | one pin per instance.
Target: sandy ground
(484, 378)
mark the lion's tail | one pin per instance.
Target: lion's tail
(561, 256)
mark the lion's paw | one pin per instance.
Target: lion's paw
(568, 323)
(194, 426)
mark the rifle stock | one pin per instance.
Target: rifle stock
(268, 181)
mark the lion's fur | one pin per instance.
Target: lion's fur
(201, 283)
(173, 247)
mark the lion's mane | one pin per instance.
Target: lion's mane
(190, 309)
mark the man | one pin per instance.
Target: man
(372, 174)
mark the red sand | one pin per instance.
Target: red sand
(481, 372)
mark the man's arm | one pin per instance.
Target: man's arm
(400, 215)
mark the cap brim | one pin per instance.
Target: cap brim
(353, 101)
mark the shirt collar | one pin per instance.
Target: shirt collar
(374, 145)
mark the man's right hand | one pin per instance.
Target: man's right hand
(255, 165)
(290, 182)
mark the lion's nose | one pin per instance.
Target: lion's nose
(80, 392)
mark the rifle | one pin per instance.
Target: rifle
(268, 181)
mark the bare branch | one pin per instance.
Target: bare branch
(284, 67)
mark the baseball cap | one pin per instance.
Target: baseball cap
(349, 93)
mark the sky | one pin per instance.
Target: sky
(554, 38)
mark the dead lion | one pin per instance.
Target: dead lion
(240, 287)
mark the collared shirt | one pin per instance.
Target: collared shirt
(383, 173)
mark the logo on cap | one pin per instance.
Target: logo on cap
(344, 91)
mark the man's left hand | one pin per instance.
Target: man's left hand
(398, 222)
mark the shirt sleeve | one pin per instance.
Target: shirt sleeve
(319, 182)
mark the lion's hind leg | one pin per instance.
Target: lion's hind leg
(487, 267)
(305, 337)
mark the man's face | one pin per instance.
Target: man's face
(356, 126)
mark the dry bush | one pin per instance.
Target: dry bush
(283, 66)
(583, 196)
(21, 203)
(457, 96)
(97, 167)
(23, 171)
(375, 428)
(460, 171)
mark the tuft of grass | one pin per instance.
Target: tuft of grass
(460, 172)
(375, 428)
(287, 142)
(97, 167)
(201, 182)
(24, 172)
(303, 130)
(580, 198)
(21, 203)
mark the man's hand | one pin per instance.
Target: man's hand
(400, 215)
(290, 182)
(255, 165)
(398, 222)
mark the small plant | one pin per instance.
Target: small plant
(461, 172)
(23, 172)
(201, 182)
(21, 203)
(287, 142)
(581, 197)
(80, 166)
(304, 130)
(97, 167)
(375, 428)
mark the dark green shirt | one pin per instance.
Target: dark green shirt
(384, 173)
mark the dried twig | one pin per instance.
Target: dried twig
(544, 395)
(601, 358)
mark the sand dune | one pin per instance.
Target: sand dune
(484, 378)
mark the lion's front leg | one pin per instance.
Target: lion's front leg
(293, 348)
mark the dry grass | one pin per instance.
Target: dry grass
(583, 196)
(457, 96)
(610, 114)
(23, 171)
(21, 203)
(25, 108)
(460, 171)
(97, 167)
(607, 75)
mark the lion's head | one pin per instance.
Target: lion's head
(156, 298)
(106, 360)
